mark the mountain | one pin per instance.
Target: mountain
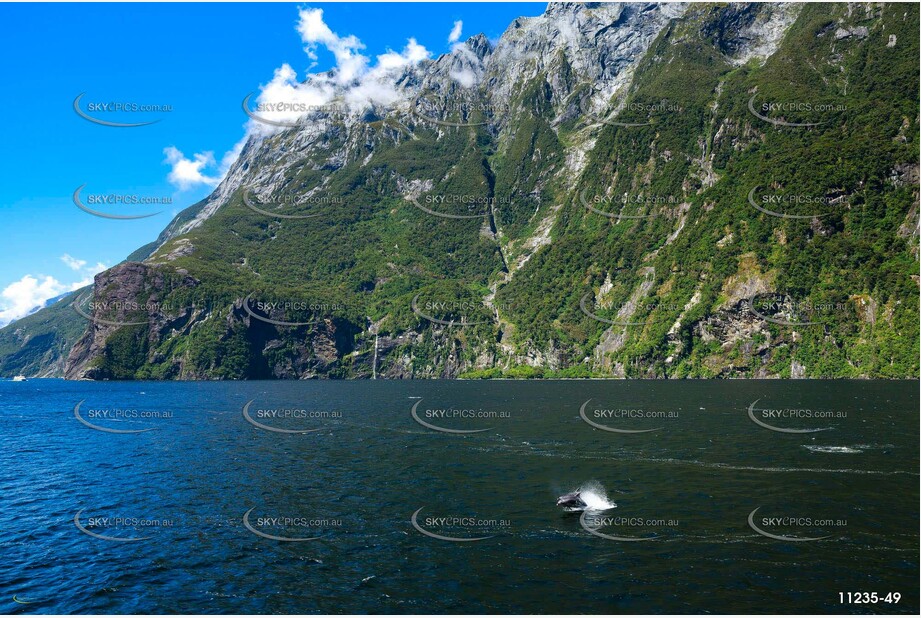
(615, 190)
(37, 345)
(42, 305)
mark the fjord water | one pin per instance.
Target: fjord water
(354, 484)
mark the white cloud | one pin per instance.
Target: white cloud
(313, 30)
(73, 263)
(353, 83)
(285, 89)
(413, 53)
(188, 173)
(455, 35)
(465, 77)
(23, 297)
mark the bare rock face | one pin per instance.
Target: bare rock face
(129, 295)
(737, 330)
(750, 30)
(859, 32)
(601, 43)
(130, 298)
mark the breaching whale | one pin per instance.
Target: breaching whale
(572, 501)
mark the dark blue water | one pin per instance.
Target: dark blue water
(160, 514)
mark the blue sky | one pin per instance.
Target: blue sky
(200, 60)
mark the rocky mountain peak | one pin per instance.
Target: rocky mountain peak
(479, 45)
(563, 8)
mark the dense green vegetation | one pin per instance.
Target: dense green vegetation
(854, 253)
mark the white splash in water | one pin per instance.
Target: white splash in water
(594, 496)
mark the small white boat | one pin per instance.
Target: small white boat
(19, 379)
